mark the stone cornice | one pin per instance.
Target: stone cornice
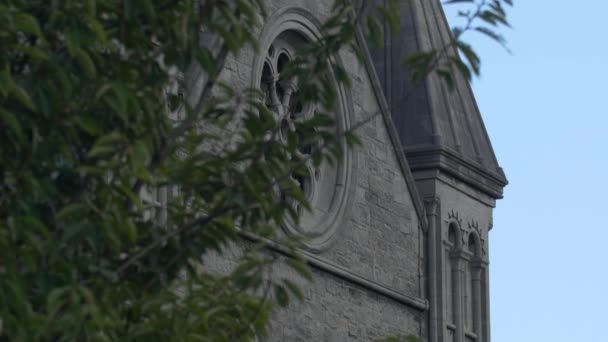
(414, 302)
(450, 162)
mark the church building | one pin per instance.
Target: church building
(398, 239)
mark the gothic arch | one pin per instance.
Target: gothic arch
(474, 245)
(454, 235)
(473, 286)
(451, 294)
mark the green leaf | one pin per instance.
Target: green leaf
(446, 75)
(281, 296)
(27, 23)
(70, 210)
(131, 230)
(294, 289)
(86, 63)
(88, 124)
(23, 97)
(70, 232)
(99, 31)
(494, 36)
(11, 122)
(36, 224)
(141, 153)
(34, 52)
(102, 91)
(106, 144)
(300, 267)
(413, 339)
(374, 31)
(134, 199)
(54, 300)
(6, 81)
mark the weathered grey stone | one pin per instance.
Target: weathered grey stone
(387, 269)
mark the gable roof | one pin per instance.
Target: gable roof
(438, 128)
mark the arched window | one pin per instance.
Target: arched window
(472, 290)
(326, 187)
(283, 99)
(451, 277)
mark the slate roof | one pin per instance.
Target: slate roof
(438, 128)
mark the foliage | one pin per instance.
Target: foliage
(399, 339)
(485, 17)
(91, 129)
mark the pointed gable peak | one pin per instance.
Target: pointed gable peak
(439, 128)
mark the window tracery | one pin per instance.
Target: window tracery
(327, 187)
(282, 98)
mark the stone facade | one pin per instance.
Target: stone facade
(388, 263)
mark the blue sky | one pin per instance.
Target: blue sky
(546, 110)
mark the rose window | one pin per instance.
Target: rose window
(323, 186)
(281, 97)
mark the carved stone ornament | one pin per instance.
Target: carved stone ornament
(453, 215)
(474, 226)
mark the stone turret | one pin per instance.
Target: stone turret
(456, 172)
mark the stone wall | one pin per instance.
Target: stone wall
(371, 277)
(335, 309)
(368, 280)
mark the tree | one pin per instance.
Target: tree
(97, 126)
